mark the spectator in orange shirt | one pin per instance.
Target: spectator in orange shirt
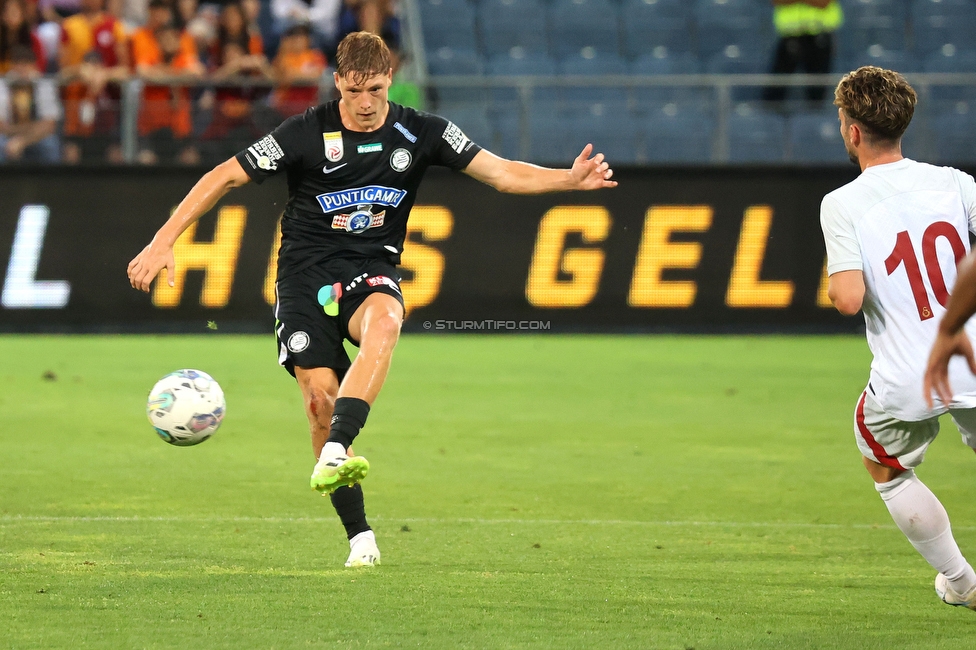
(297, 62)
(15, 29)
(163, 54)
(94, 57)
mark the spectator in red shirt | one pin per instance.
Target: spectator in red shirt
(94, 58)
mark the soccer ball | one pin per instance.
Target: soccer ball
(186, 407)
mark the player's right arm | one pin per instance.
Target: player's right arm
(846, 291)
(845, 287)
(158, 255)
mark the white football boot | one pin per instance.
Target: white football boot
(363, 550)
(950, 597)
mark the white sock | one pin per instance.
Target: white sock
(366, 534)
(332, 450)
(919, 514)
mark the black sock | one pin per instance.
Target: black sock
(348, 504)
(348, 418)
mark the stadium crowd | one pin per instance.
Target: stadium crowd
(214, 75)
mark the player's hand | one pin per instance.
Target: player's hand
(592, 173)
(144, 268)
(937, 371)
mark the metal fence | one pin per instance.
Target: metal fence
(664, 119)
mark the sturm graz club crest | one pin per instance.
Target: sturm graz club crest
(360, 219)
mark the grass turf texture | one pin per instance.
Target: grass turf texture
(544, 492)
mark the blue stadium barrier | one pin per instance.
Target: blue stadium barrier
(815, 138)
(677, 134)
(505, 24)
(525, 63)
(901, 61)
(505, 120)
(951, 59)
(734, 61)
(948, 21)
(550, 135)
(756, 136)
(592, 62)
(664, 61)
(852, 40)
(661, 62)
(714, 39)
(953, 130)
(519, 62)
(578, 24)
(731, 12)
(651, 24)
(448, 23)
(616, 135)
(446, 60)
(875, 13)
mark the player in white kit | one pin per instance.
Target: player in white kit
(894, 237)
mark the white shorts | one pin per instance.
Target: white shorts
(899, 444)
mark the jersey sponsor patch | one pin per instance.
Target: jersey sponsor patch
(333, 146)
(266, 153)
(400, 160)
(372, 147)
(402, 129)
(344, 199)
(359, 220)
(378, 280)
(455, 137)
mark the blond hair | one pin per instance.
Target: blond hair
(880, 100)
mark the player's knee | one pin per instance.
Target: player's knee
(900, 481)
(880, 473)
(385, 327)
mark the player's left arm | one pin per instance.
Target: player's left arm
(951, 339)
(846, 291)
(515, 177)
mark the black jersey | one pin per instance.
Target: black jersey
(350, 193)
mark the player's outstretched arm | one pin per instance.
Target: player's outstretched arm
(951, 339)
(516, 177)
(158, 255)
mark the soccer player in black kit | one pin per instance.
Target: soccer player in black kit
(353, 167)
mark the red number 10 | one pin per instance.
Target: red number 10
(904, 253)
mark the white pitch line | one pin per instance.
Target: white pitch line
(12, 519)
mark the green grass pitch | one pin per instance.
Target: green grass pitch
(527, 492)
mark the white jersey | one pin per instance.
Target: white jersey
(906, 225)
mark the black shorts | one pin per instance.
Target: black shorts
(314, 307)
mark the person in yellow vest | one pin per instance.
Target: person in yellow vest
(806, 42)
